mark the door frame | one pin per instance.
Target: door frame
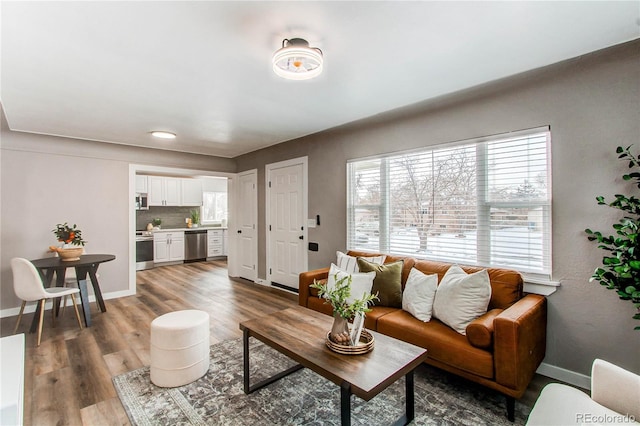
(268, 168)
(236, 206)
(168, 171)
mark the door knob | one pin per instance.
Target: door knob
(239, 231)
(301, 237)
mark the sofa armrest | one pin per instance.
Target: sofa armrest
(305, 279)
(615, 388)
(520, 337)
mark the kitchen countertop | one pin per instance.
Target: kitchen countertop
(204, 228)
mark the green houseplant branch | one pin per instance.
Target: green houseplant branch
(338, 296)
(620, 270)
(195, 216)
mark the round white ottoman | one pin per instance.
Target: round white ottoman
(179, 348)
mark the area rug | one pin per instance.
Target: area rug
(302, 398)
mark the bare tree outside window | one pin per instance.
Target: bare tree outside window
(485, 203)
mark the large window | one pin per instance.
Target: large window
(483, 202)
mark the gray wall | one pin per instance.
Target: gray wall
(592, 104)
(47, 180)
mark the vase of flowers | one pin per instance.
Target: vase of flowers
(72, 242)
(343, 311)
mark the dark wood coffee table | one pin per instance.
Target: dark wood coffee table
(299, 333)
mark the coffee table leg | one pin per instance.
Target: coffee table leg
(247, 387)
(410, 403)
(409, 411)
(345, 404)
(245, 351)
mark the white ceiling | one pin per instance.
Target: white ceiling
(114, 71)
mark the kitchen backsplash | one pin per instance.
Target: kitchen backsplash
(172, 217)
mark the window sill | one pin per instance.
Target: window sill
(540, 286)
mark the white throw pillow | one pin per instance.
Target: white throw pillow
(461, 298)
(348, 263)
(361, 283)
(418, 295)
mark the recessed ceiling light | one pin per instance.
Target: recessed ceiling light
(163, 135)
(296, 60)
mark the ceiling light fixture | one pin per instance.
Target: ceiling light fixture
(163, 135)
(296, 60)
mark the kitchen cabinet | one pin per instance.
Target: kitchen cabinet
(215, 242)
(191, 192)
(141, 184)
(164, 191)
(168, 246)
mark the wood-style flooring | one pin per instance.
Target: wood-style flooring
(68, 378)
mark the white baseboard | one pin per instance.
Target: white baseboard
(565, 375)
(262, 282)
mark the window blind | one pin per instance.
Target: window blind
(483, 202)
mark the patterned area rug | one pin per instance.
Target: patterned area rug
(302, 398)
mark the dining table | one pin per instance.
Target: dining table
(85, 266)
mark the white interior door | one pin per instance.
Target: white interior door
(286, 230)
(246, 229)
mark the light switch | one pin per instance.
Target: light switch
(311, 223)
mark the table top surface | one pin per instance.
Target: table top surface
(300, 334)
(85, 259)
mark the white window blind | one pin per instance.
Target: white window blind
(484, 202)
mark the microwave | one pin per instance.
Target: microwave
(142, 202)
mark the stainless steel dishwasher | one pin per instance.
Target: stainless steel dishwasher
(195, 245)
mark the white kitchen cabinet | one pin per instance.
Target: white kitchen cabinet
(164, 191)
(168, 246)
(141, 184)
(191, 192)
(215, 243)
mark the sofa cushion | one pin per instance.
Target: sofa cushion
(377, 312)
(387, 283)
(442, 343)
(418, 294)
(349, 263)
(461, 298)
(361, 283)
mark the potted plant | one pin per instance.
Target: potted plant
(156, 221)
(195, 217)
(621, 264)
(71, 239)
(343, 311)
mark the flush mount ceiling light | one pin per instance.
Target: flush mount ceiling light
(296, 60)
(163, 135)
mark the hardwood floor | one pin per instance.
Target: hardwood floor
(68, 378)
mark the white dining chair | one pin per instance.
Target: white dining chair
(28, 286)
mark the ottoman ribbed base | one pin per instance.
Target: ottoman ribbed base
(179, 348)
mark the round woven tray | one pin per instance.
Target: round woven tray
(365, 345)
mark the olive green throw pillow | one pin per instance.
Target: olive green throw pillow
(387, 283)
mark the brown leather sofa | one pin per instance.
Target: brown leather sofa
(502, 349)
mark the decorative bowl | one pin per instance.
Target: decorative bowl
(70, 254)
(366, 345)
